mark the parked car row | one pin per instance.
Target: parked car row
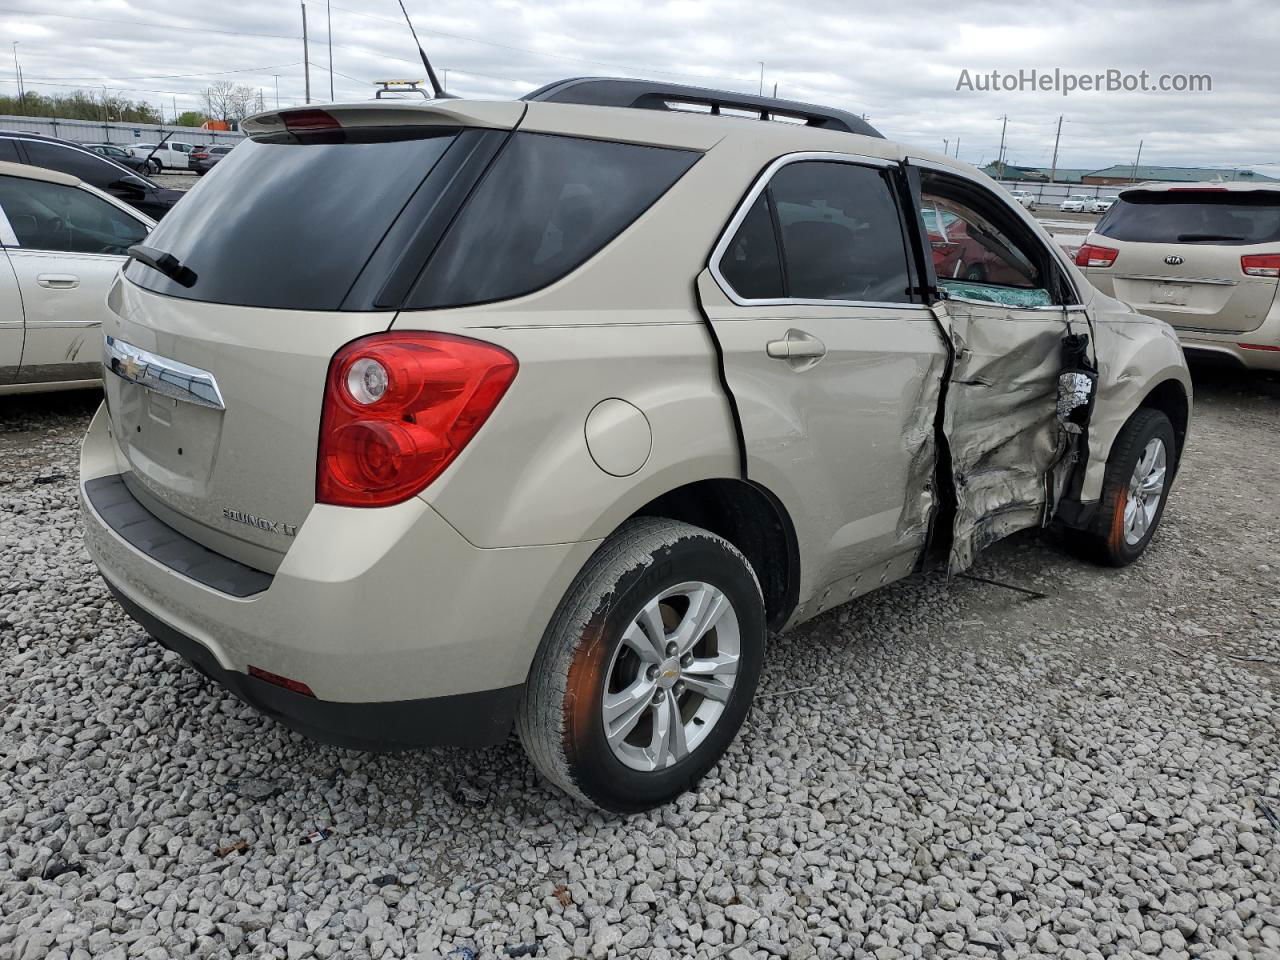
(91, 167)
(1084, 203)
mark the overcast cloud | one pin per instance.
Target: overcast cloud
(897, 62)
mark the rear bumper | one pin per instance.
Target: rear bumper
(407, 634)
(1261, 353)
(463, 720)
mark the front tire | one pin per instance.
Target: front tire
(648, 668)
(1135, 489)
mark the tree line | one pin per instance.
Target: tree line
(221, 101)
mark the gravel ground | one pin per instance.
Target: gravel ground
(935, 770)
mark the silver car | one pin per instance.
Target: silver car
(553, 409)
(62, 242)
(1205, 257)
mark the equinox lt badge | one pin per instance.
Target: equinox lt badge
(271, 526)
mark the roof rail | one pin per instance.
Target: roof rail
(651, 95)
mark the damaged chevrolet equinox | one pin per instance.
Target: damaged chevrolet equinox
(427, 422)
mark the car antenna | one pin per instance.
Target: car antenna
(438, 90)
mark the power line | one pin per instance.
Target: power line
(173, 76)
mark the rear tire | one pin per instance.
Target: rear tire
(1143, 455)
(647, 669)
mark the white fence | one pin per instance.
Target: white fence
(92, 131)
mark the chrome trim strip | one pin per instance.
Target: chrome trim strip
(169, 378)
(61, 324)
(1146, 276)
(757, 188)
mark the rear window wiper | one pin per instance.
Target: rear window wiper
(165, 263)
(1200, 237)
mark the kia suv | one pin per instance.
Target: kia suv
(1205, 257)
(425, 422)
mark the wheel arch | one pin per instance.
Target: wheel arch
(1170, 398)
(754, 520)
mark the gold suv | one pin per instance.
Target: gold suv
(429, 421)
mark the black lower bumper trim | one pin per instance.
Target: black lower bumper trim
(464, 720)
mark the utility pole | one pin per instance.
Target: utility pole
(17, 75)
(175, 111)
(1000, 160)
(1053, 171)
(957, 148)
(946, 146)
(1134, 176)
(775, 89)
(761, 62)
(328, 20)
(306, 57)
(277, 76)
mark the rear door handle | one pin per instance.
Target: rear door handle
(58, 281)
(800, 349)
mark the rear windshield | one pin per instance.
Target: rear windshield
(1228, 218)
(290, 225)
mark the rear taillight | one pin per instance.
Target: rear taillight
(1092, 255)
(1261, 265)
(307, 121)
(398, 408)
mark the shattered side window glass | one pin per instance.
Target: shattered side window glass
(991, 293)
(966, 246)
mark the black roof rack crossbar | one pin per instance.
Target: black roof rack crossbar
(652, 95)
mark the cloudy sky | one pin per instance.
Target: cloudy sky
(899, 62)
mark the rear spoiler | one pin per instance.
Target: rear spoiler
(494, 115)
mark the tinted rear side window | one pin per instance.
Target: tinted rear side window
(547, 204)
(290, 225)
(1228, 218)
(841, 234)
(752, 265)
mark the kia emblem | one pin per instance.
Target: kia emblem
(1173, 260)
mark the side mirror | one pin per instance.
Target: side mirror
(128, 187)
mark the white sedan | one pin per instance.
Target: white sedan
(1100, 204)
(1076, 203)
(1025, 199)
(61, 245)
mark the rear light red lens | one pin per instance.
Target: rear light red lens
(398, 408)
(302, 121)
(1092, 255)
(297, 686)
(1261, 265)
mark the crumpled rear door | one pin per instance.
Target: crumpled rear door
(1009, 453)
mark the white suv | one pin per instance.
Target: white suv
(575, 398)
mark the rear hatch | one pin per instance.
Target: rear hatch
(291, 246)
(1180, 255)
